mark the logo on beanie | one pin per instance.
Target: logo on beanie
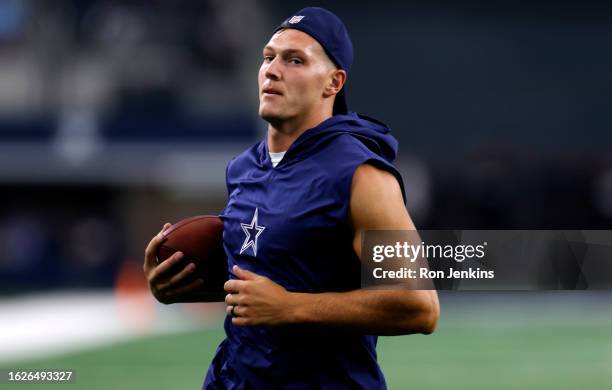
(296, 19)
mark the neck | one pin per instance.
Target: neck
(283, 133)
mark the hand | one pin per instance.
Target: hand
(257, 300)
(166, 284)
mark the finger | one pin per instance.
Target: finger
(166, 265)
(244, 274)
(165, 229)
(196, 284)
(151, 250)
(238, 311)
(178, 278)
(233, 286)
(234, 310)
(232, 299)
(241, 321)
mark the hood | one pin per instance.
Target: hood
(374, 134)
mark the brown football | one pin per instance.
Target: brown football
(200, 238)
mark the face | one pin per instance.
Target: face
(294, 76)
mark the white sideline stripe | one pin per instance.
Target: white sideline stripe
(46, 324)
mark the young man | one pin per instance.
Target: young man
(298, 204)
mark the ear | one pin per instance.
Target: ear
(337, 78)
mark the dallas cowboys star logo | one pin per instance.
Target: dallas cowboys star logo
(248, 230)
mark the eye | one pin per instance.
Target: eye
(296, 61)
(268, 58)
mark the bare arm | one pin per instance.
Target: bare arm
(376, 203)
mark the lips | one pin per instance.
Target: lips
(271, 91)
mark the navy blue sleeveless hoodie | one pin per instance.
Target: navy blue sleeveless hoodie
(290, 223)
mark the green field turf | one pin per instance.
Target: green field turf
(520, 347)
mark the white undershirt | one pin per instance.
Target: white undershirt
(276, 157)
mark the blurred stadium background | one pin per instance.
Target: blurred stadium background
(118, 116)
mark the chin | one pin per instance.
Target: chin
(270, 115)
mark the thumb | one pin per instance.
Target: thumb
(167, 225)
(244, 274)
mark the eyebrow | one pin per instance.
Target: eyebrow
(286, 51)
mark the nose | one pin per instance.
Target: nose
(273, 71)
